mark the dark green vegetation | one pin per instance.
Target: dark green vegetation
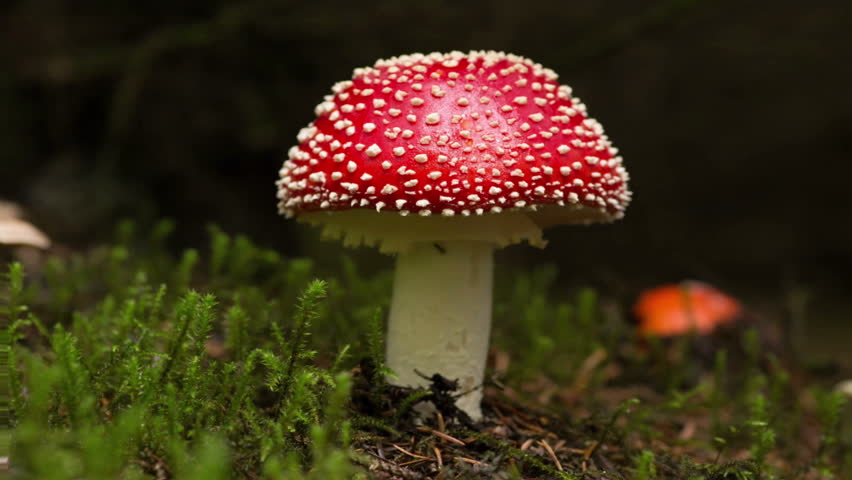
(129, 363)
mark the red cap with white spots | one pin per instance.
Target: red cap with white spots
(455, 139)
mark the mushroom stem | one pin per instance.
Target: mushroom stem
(440, 316)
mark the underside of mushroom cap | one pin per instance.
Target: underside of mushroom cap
(394, 233)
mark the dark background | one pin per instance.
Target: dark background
(734, 119)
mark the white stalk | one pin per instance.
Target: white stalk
(440, 316)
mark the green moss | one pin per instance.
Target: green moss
(130, 362)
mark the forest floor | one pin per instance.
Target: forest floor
(130, 361)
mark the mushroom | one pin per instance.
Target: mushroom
(14, 231)
(23, 240)
(440, 159)
(672, 310)
(844, 387)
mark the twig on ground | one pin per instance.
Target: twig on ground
(421, 457)
(442, 435)
(552, 454)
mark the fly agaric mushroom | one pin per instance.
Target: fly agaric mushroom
(441, 159)
(671, 310)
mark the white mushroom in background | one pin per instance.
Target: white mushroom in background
(14, 231)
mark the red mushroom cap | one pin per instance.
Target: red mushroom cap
(454, 134)
(670, 310)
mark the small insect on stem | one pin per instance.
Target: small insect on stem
(440, 248)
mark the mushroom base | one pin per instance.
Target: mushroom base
(440, 316)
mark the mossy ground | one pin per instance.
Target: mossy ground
(127, 362)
